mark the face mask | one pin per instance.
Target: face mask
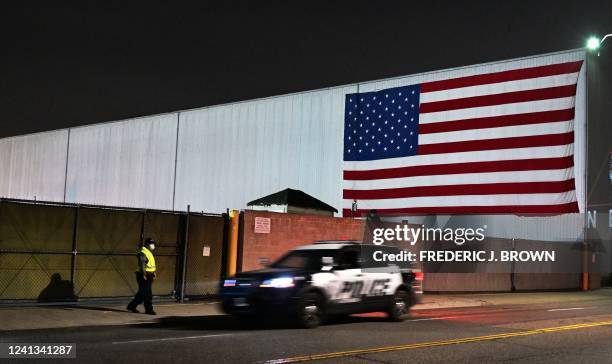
(151, 247)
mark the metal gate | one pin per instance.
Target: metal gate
(64, 252)
(204, 255)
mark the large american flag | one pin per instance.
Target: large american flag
(497, 142)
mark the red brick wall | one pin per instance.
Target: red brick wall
(288, 231)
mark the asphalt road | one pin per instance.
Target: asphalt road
(545, 333)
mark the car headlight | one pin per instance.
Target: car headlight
(229, 283)
(282, 282)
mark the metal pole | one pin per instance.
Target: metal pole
(75, 238)
(584, 277)
(185, 246)
(142, 226)
(232, 246)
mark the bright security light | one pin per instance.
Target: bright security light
(593, 43)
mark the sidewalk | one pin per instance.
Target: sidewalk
(43, 317)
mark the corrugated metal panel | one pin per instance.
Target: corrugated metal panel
(34, 166)
(568, 227)
(128, 163)
(229, 155)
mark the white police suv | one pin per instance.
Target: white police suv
(313, 282)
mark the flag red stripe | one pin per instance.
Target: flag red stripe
(503, 76)
(498, 121)
(459, 168)
(513, 209)
(498, 99)
(507, 188)
(495, 144)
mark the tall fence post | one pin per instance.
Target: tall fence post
(142, 226)
(185, 247)
(75, 239)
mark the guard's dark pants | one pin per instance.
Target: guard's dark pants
(144, 294)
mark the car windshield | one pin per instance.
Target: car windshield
(302, 259)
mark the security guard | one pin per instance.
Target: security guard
(145, 275)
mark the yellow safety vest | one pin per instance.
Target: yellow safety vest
(150, 267)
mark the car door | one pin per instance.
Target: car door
(350, 286)
(381, 279)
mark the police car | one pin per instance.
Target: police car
(313, 282)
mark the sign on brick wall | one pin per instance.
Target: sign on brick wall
(262, 225)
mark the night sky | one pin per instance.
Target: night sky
(67, 63)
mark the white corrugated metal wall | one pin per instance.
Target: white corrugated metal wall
(226, 155)
(229, 155)
(128, 163)
(34, 166)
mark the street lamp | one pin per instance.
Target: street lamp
(593, 43)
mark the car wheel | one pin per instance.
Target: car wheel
(400, 306)
(310, 312)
